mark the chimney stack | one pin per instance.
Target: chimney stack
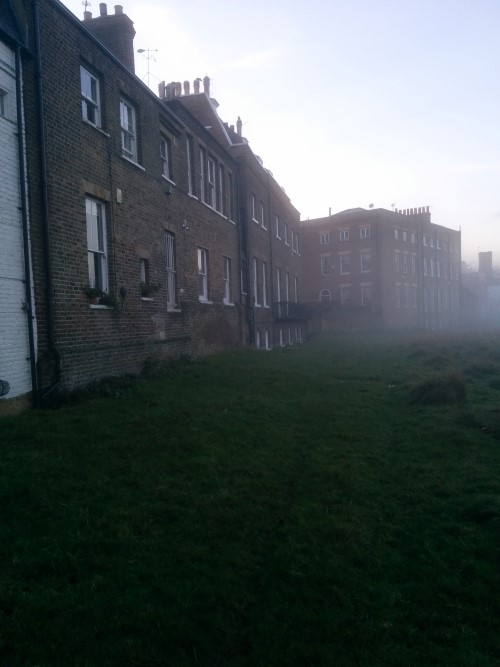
(196, 86)
(186, 88)
(116, 31)
(239, 126)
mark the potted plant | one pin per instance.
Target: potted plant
(148, 289)
(93, 294)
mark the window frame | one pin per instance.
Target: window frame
(166, 157)
(170, 271)
(97, 254)
(345, 263)
(86, 101)
(203, 274)
(129, 132)
(226, 278)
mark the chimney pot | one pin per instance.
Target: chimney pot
(206, 85)
(196, 86)
(161, 90)
(239, 126)
(178, 88)
(118, 9)
(103, 8)
(186, 88)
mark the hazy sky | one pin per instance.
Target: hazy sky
(349, 103)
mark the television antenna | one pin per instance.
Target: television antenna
(148, 57)
(86, 4)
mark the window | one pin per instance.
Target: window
(227, 279)
(91, 105)
(262, 215)
(425, 266)
(202, 274)
(396, 234)
(345, 264)
(230, 195)
(286, 234)
(202, 174)
(325, 265)
(296, 289)
(344, 235)
(264, 285)
(366, 295)
(95, 215)
(438, 244)
(414, 296)
(413, 237)
(432, 242)
(277, 224)
(129, 134)
(396, 261)
(366, 261)
(144, 270)
(398, 296)
(325, 295)
(364, 232)
(255, 283)
(406, 296)
(278, 283)
(171, 271)
(166, 157)
(345, 295)
(425, 240)
(405, 262)
(254, 209)
(281, 338)
(405, 236)
(324, 238)
(413, 264)
(221, 191)
(266, 339)
(287, 286)
(210, 195)
(432, 267)
(296, 243)
(438, 268)
(257, 339)
(190, 164)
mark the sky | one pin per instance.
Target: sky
(394, 103)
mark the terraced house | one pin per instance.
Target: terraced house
(149, 232)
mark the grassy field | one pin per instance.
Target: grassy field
(335, 504)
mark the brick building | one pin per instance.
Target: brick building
(383, 268)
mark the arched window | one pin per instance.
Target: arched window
(325, 295)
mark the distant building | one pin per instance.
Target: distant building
(383, 268)
(481, 294)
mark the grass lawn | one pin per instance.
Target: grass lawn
(336, 503)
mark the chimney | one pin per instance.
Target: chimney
(239, 126)
(161, 90)
(116, 31)
(206, 85)
(196, 86)
(186, 88)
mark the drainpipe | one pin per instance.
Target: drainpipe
(49, 286)
(25, 227)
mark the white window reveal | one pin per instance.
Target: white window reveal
(166, 158)
(202, 274)
(128, 130)
(227, 280)
(95, 215)
(170, 270)
(91, 105)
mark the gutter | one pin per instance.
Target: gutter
(25, 228)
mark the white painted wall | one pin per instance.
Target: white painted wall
(14, 342)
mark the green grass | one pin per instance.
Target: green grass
(307, 506)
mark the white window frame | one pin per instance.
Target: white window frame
(397, 261)
(202, 174)
(287, 242)
(287, 286)
(325, 265)
(221, 190)
(366, 261)
(190, 174)
(91, 97)
(277, 223)
(256, 283)
(365, 232)
(226, 277)
(170, 271)
(366, 295)
(95, 217)
(211, 182)
(296, 289)
(202, 274)
(278, 283)
(263, 215)
(344, 235)
(325, 293)
(324, 238)
(345, 295)
(128, 123)
(345, 264)
(166, 157)
(265, 303)
(254, 208)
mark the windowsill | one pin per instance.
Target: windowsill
(278, 237)
(264, 227)
(95, 127)
(215, 210)
(147, 298)
(190, 194)
(265, 306)
(257, 305)
(99, 306)
(256, 221)
(130, 161)
(173, 310)
(228, 303)
(201, 300)
(169, 180)
(233, 222)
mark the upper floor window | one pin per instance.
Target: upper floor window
(210, 199)
(324, 238)
(344, 235)
(263, 215)
(91, 104)
(413, 237)
(364, 233)
(277, 225)
(254, 209)
(396, 233)
(95, 216)
(405, 236)
(345, 264)
(166, 157)
(190, 164)
(221, 190)
(230, 195)
(227, 280)
(325, 265)
(366, 262)
(296, 243)
(128, 129)
(285, 228)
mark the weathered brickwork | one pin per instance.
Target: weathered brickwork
(14, 345)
